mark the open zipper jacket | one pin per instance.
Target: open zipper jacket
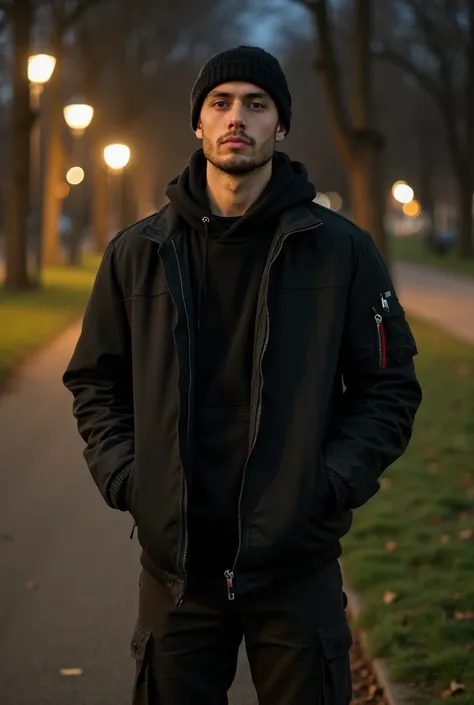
(333, 398)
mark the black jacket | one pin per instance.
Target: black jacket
(334, 391)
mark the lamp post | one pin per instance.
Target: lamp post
(78, 116)
(40, 70)
(116, 156)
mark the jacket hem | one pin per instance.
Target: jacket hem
(310, 565)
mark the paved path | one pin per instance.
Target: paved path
(441, 298)
(56, 532)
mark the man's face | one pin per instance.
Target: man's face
(239, 127)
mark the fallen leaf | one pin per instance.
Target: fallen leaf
(466, 534)
(391, 546)
(433, 468)
(469, 647)
(390, 597)
(374, 690)
(385, 483)
(457, 595)
(455, 688)
(466, 480)
(71, 671)
(431, 453)
(404, 619)
(459, 441)
(464, 616)
(445, 538)
(31, 585)
(463, 370)
(462, 516)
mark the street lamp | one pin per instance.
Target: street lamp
(116, 157)
(402, 192)
(75, 175)
(412, 209)
(78, 116)
(40, 68)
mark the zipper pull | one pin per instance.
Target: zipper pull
(133, 530)
(229, 577)
(384, 301)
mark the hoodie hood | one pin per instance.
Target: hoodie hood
(288, 187)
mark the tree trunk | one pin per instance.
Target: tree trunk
(364, 175)
(51, 254)
(359, 144)
(465, 240)
(17, 186)
(100, 206)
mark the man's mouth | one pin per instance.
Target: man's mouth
(236, 141)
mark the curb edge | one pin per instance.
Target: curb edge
(394, 694)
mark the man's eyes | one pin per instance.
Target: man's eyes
(254, 105)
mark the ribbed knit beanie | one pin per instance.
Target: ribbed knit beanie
(245, 63)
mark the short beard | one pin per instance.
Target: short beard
(233, 164)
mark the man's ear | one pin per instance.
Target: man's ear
(280, 132)
(198, 131)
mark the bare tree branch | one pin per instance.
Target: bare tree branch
(408, 66)
(428, 26)
(78, 12)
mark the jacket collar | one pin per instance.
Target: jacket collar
(164, 225)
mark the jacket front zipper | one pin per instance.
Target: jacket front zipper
(230, 574)
(184, 543)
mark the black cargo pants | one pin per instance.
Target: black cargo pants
(296, 635)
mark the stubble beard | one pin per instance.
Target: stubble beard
(236, 165)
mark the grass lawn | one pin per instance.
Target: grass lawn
(411, 550)
(29, 320)
(412, 249)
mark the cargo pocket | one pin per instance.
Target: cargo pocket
(140, 650)
(336, 680)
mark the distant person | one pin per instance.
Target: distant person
(243, 377)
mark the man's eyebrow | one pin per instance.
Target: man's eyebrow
(223, 94)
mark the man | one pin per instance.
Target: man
(243, 377)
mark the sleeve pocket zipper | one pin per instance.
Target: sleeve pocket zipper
(381, 340)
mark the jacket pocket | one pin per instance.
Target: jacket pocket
(140, 649)
(130, 490)
(336, 679)
(395, 344)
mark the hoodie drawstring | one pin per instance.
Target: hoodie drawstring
(202, 284)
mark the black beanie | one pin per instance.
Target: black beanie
(249, 64)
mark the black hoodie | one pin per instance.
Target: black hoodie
(228, 256)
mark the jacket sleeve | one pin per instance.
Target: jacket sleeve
(99, 376)
(382, 395)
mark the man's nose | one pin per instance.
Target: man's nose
(236, 116)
